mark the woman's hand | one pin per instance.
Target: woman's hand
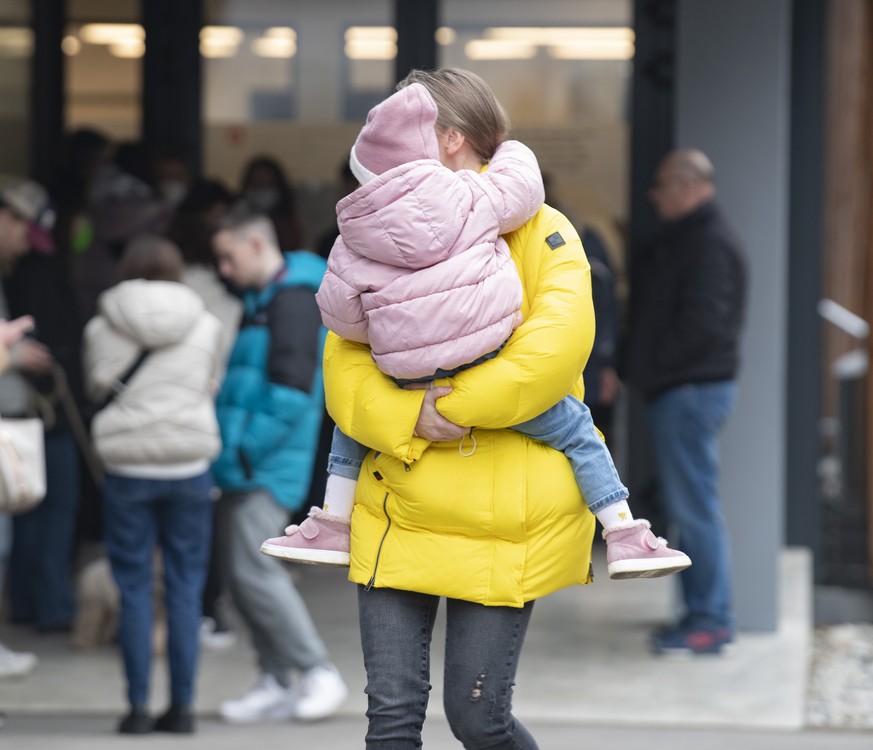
(11, 331)
(32, 357)
(432, 425)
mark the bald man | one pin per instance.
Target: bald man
(688, 291)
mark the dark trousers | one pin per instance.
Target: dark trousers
(40, 565)
(483, 645)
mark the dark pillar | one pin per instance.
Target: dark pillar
(171, 112)
(46, 87)
(653, 106)
(416, 22)
(652, 126)
(804, 519)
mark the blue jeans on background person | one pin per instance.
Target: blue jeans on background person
(566, 427)
(43, 539)
(483, 645)
(686, 422)
(174, 515)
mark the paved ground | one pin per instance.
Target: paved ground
(586, 680)
(96, 733)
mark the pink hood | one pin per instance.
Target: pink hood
(419, 270)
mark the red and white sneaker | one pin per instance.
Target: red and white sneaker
(633, 551)
(322, 539)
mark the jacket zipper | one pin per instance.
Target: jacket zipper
(381, 542)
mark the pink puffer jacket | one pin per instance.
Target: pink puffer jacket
(419, 270)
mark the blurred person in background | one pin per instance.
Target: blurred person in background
(191, 229)
(83, 152)
(602, 383)
(346, 184)
(122, 204)
(18, 208)
(156, 435)
(687, 307)
(601, 379)
(83, 155)
(170, 176)
(266, 189)
(269, 408)
(12, 663)
(40, 574)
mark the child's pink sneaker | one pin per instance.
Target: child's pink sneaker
(633, 551)
(322, 539)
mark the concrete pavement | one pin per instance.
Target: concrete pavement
(96, 733)
(586, 678)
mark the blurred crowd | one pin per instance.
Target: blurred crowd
(113, 213)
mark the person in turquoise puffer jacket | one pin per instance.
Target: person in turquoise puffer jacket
(269, 410)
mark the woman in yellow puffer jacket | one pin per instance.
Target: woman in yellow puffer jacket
(450, 503)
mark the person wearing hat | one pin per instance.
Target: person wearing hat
(40, 576)
(21, 356)
(22, 203)
(421, 274)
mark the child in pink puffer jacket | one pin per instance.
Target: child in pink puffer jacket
(421, 274)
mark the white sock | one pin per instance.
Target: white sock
(615, 514)
(339, 496)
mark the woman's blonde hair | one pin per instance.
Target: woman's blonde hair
(152, 258)
(467, 104)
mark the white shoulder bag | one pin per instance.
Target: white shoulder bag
(22, 464)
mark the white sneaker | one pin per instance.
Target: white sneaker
(16, 663)
(266, 700)
(213, 639)
(321, 692)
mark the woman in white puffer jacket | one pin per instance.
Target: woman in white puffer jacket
(156, 438)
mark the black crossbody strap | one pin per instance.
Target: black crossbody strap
(119, 385)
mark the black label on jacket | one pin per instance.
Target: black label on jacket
(555, 240)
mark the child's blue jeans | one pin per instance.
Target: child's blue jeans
(566, 427)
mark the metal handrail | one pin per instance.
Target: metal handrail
(844, 319)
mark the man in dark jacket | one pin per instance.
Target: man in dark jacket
(688, 291)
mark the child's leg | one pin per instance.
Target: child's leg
(632, 550)
(323, 538)
(568, 427)
(343, 467)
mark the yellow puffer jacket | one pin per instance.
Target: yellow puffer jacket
(506, 524)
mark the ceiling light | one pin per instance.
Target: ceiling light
(620, 50)
(370, 49)
(221, 35)
(16, 41)
(281, 32)
(70, 45)
(128, 48)
(111, 33)
(371, 33)
(265, 46)
(446, 35)
(550, 35)
(562, 42)
(277, 41)
(216, 50)
(220, 41)
(499, 49)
